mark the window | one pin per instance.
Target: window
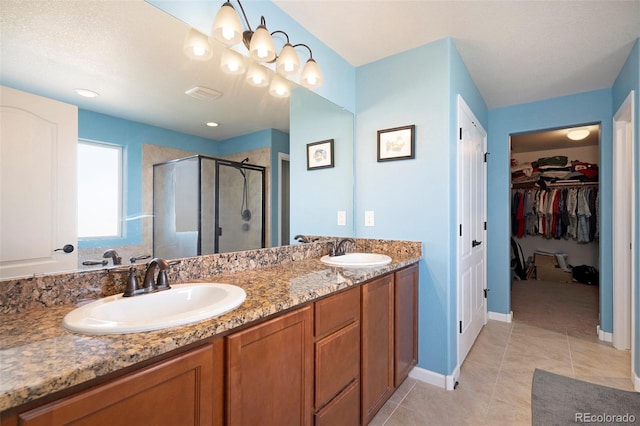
(99, 190)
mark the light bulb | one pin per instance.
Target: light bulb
(257, 75)
(232, 62)
(279, 87)
(196, 46)
(288, 62)
(311, 75)
(261, 47)
(227, 28)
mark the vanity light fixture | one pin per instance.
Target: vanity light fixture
(197, 46)
(227, 29)
(86, 93)
(578, 134)
(232, 62)
(279, 87)
(257, 75)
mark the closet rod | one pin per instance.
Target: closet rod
(527, 185)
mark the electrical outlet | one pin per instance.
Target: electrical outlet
(368, 218)
(342, 218)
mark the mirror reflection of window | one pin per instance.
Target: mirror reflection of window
(99, 190)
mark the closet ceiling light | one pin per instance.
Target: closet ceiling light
(578, 134)
(212, 124)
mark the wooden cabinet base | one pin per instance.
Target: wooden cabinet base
(180, 390)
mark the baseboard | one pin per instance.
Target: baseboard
(436, 379)
(605, 336)
(501, 317)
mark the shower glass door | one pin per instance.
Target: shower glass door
(240, 207)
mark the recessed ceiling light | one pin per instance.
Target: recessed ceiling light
(212, 124)
(578, 134)
(86, 93)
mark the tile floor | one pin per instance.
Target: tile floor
(495, 379)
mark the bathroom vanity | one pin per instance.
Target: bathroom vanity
(311, 344)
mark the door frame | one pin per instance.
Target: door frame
(282, 157)
(462, 106)
(623, 255)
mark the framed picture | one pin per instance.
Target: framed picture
(320, 155)
(397, 143)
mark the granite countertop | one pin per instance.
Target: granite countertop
(39, 357)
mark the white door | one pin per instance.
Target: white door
(623, 224)
(38, 148)
(471, 250)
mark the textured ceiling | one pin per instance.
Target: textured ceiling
(517, 51)
(131, 53)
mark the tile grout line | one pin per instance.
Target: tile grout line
(398, 405)
(573, 370)
(495, 384)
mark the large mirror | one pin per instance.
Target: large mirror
(130, 53)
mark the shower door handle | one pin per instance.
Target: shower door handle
(219, 231)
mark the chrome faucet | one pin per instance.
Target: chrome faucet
(117, 260)
(150, 284)
(340, 246)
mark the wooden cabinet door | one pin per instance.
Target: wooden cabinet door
(178, 391)
(377, 345)
(270, 368)
(406, 322)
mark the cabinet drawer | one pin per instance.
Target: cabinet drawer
(337, 362)
(336, 311)
(344, 410)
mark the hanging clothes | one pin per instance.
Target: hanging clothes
(556, 213)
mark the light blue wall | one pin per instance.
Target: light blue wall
(628, 80)
(317, 195)
(132, 135)
(339, 75)
(589, 107)
(415, 199)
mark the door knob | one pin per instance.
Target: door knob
(475, 243)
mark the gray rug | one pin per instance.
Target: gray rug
(560, 400)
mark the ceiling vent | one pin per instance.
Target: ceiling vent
(205, 93)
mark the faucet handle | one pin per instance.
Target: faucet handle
(132, 288)
(133, 259)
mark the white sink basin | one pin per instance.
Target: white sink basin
(356, 260)
(182, 304)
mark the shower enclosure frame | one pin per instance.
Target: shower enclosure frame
(218, 232)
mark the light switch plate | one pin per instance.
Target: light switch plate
(368, 218)
(342, 218)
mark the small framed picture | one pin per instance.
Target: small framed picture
(397, 143)
(320, 155)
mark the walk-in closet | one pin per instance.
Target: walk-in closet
(555, 228)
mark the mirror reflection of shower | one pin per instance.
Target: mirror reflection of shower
(206, 205)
